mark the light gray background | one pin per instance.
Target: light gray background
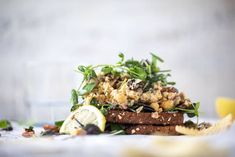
(41, 42)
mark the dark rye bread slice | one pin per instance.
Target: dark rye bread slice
(126, 117)
(151, 129)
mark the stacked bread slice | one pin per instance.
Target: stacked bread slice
(146, 122)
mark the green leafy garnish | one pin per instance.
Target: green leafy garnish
(87, 88)
(122, 57)
(156, 58)
(107, 70)
(29, 129)
(88, 72)
(117, 129)
(59, 123)
(147, 71)
(103, 108)
(138, 73)
(74, 100)
(5, 125)
(94, 101)
(192, 111)
(74, 97)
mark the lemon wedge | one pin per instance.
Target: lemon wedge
(225, 106)
(82, 116)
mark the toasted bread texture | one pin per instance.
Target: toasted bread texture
(126, 117)
(151, 129)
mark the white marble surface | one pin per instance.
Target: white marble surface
(14, 145)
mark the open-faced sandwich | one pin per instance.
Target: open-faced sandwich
(129, 97)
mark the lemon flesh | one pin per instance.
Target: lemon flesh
(225, 106)
(85, 114)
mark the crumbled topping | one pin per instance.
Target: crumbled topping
(130, 91)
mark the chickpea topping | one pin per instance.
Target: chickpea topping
(125, 92)
(167, 105)
(155, 106)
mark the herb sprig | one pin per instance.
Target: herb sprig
(191, 112)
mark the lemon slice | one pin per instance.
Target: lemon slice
(84, 115)
(225, 106)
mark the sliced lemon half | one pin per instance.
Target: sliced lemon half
(82, 116)
(225, 106)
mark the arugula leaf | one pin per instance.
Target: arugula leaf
(88, 72)
(59, 123)
(88, 88)
(132, 63)
(107, 69)
(81, 68)
(115, 73)
(74, 97)
(138, 73)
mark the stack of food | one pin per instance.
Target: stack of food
(146, 123)
(130, 97)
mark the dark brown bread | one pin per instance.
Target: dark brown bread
(125, 117)
(151, 129)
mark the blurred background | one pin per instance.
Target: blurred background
(42, 42)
